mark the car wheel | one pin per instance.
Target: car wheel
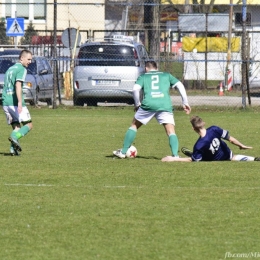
(78, 102)
(49, 101)
(35, 100)
(237, 87)
(32, 102)
(130, 101)
(92, 102)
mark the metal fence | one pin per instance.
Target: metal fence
(213, 49)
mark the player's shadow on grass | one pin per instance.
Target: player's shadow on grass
(137, 157)
(148, 157)
(6, 154)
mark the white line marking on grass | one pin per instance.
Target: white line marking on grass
(123, 187)
(28, 184)
(114, 187)
(219, 188)
(49, 185)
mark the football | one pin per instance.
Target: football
(131, 152)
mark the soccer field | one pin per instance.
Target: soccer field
(67, 197)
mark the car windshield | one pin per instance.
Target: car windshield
(10, 52)
(5, 64)
(107, 55)
(32, 69)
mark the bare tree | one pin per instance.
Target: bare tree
(151, 22)
(201, 7)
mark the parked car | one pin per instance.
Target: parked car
(107, 71)
(254, 84)
(253, 80)
(38, 85)
(8, 51)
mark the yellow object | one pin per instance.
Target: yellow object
(214, 44)
(67, 87)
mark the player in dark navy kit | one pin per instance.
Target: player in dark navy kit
(210, 146)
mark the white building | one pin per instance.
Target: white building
(82, 14)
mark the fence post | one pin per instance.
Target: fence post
(54, 104)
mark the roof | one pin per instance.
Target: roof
(217, 2)
(16, 56)
(9, 51)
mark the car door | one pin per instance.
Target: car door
(41, 84)
(48, 78)
(143, 56)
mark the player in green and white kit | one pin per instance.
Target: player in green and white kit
(156, 103)
(13, 101)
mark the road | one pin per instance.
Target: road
(217, 101)
(193, 101)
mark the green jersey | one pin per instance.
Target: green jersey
(156, 90)
(17, 72)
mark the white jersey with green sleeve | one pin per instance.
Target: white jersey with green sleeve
(156, 90)
(17, 72)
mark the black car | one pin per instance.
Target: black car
(9, 51)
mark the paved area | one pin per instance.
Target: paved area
(193, 100)
(218, 101)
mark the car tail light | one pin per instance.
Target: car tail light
(77, 84)
(135, 54)
(137, 63)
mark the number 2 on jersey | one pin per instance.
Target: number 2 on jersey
(155, 81)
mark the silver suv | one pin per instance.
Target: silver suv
(106, 71)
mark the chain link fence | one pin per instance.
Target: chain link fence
(213, 49)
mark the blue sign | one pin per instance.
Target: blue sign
(15, 27)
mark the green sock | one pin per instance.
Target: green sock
(21, 132)
(129, 138)
(174, 144)
(15, 134)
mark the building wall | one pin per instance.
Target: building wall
(84, 14)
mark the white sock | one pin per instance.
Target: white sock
(242, 158)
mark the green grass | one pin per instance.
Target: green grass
(66, 197)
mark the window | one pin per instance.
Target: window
(5, 65)
(142, 52)
(107, 55)
(47, 66)
(28, 9)
(40, 66)
(31, 69)
(239, 19)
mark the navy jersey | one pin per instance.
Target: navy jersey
(211, 147)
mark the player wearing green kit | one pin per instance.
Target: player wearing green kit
(13, 101)
(156, 103)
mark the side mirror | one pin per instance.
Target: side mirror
(43, 72)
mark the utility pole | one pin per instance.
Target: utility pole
(228, 66)
(55, 82)
(244, 54)
(151, 22)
